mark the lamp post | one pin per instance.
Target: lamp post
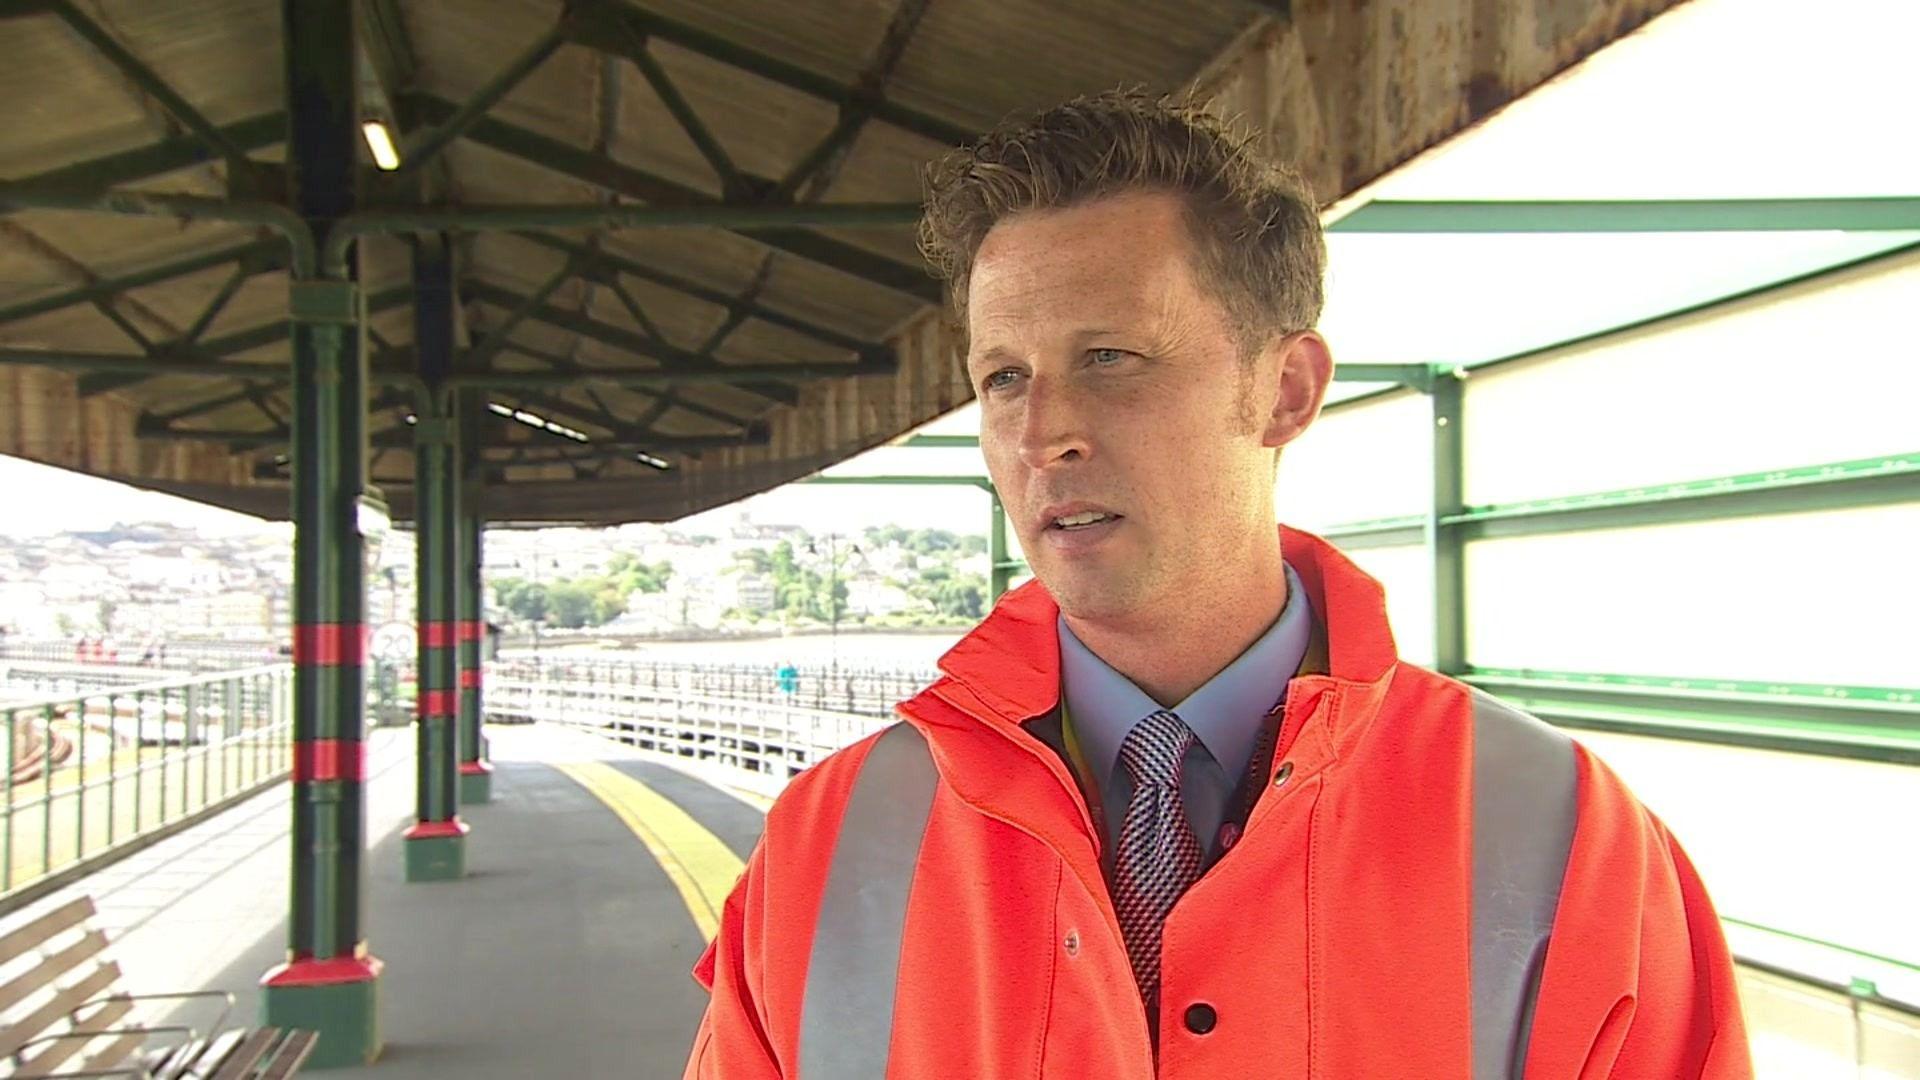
(833, 595)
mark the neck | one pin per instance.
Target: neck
(1170, 654)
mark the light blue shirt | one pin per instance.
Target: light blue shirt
(1226, 713)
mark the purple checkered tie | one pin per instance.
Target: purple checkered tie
(1158, 855)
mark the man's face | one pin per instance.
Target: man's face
(1111, 384)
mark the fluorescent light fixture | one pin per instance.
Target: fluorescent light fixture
(380, 141)
(645, 458)
(538, 421)
(499, 408)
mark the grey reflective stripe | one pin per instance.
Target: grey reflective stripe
(1524, 804)
(846, 1011)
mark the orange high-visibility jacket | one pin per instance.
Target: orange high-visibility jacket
(1432, 885)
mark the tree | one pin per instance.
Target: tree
(525, 599)
(572, 604)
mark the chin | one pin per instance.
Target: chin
(1083, 596)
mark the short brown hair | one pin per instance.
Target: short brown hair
(1256, 232)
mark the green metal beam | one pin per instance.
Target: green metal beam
(230, 344)
(1445, 545)
(134, 364)
(556, 408)
(419, 151)
(481, 355)
(673, 360)
(1842, 485)
(211, 404)
(940, 441)
(669, 398)
(157, 159)
(1845, 485)
(260, 256)
(758, 434)
(1418, 376)
(609, 261)
(215, 306)
(640, 23)
(591, 168)
(635, 51)
(474, 217)
(1873, 723)
(1887, 255)
(645, 377)
(152, 85)
(815, 171)
(1653, 215)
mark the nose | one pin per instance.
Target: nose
(1053, 426)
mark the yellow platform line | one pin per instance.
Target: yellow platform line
(702, 867)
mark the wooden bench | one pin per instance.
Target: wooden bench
(63, 1015)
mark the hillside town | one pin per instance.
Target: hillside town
(128, 587)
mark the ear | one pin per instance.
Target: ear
(1305, 368)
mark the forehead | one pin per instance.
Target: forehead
(1127, 256)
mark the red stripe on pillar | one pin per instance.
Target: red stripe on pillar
(438, 703)
(330, 644)
(329, 759)
(306, 971)
(436, 830)
(475, 768)
(437, 635)
(470, 630)
(470, 679)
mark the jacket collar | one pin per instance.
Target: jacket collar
(1006, 673)
(1011, 660)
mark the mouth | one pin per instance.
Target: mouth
(1080, 518)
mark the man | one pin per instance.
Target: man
(1177, 808)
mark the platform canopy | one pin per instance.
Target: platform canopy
(681, 231)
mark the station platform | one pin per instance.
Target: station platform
(565, 951)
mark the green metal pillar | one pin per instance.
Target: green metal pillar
(436, 843)
(1445, 542)
(476, 772)
(330, 982)
(1000, 567)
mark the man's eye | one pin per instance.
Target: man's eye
(994, 381)
(1107, 357)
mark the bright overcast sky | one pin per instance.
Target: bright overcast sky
(1717, 99)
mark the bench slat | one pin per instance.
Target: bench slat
(178, 1062)
(51, 968)
(52, 1055)
(118, 1053)
(216, 1051)
(241, 1064)
(292, 1054)
(35, 1024)
(32, 935)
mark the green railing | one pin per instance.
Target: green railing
(90, 775)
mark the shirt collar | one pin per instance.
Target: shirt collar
(1224, 712)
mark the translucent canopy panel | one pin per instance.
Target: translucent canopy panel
(1716, 99)
(1469, 298)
